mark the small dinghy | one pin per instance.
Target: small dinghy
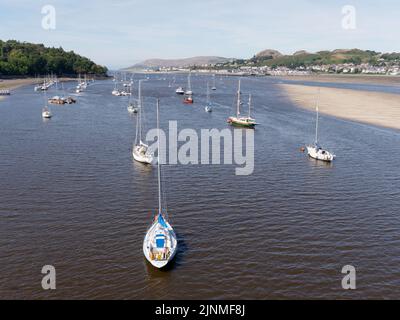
(160, 243)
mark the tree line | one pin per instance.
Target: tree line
(29, 59)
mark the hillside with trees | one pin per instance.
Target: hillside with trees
(303, 59)
(29, 59)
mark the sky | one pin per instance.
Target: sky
(119, 33)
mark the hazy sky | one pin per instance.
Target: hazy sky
(118, 33)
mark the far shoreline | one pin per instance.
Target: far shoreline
(315, 77)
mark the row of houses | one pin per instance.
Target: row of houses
(346, 68)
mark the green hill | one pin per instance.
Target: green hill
(29, 59)
(302, 58)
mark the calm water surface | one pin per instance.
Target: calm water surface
(71, 196)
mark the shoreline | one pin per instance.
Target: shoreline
(12, 84)
(374, 108)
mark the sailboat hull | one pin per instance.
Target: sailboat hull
(320, 154)
(147, 159)
(46, 115)
(132, 109)
(241, 122)
(140, 157)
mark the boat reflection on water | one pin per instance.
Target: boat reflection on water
(141, 169)
(319, 164)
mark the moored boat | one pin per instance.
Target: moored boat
(160, 243)
(188, 99)
(241, 120)
(46, 113)
(213, 87)
(56, 100)
(315, 151)
(208, 107)
(189, 91)
(180, 90)
(141, 150)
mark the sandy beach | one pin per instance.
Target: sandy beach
(376, 108)
(347, 78)
(10, 84)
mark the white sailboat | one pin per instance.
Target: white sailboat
(208, 107)
(140, 150)
(180, 90)
(132, 106)
(115, 92)
(46, 113)
(160, 243)
(240, 120)
(189, 91)
(316, 151)
(80, 87)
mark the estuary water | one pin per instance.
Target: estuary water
(71, 196)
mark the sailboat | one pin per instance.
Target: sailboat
(208, 107)
(38, 86)
(213, 87)
(132, 107)
(46, 113)
(188, 94)
(238, 120)
(315, 151)
(115, 92)
(140, 150)
(171, 82)
(160, 243)
(180, 90)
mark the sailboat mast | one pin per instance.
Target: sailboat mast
(189, 83)
(140, 110)
(208, 93)
(317, 110)
(249, 103)
(238, 101)
(158, 157)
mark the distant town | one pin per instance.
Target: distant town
(346, 68)
(273, 63)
